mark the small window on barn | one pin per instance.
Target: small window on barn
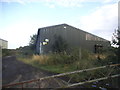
(90, 37)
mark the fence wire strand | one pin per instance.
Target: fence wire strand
(67, 73)
(99, 79)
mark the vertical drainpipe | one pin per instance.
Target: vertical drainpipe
(40, 43)
(40, 48)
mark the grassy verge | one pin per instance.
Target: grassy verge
(59, 68)
(63, 62)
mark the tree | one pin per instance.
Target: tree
(59, 45)
(32, 42)
(116, 42)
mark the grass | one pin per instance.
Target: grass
(60, 62)
(63, 62)
(59, 68)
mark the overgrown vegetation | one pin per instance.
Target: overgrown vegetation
(59, 45)
(32, 43)
(64, 62)
(116, 42)
(25, 51)
(8, 52)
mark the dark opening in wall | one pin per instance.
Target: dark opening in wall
(98, 47)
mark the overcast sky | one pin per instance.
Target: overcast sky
(19, 19)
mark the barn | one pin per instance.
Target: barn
(3, 44)
(74, 37)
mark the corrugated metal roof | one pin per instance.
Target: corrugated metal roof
(3, 40)
(72, 27)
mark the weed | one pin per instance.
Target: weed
(66, 62)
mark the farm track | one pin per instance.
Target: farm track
(14, 71)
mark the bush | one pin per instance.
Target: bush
(65, 58)
(8, 52)
(60, 58)
(76, 60)
(59, 45)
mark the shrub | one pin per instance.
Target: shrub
(59, 45)
(65, 58)
(59, 58)
(76, 60)
(8, 52)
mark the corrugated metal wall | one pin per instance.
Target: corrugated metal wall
(73, 36)
(3, 44)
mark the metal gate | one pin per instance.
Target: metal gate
(110, 74)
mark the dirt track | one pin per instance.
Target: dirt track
(16, 71)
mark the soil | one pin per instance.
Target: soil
(14, 71)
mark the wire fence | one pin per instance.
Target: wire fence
(69, 73)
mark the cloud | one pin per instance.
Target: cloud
(102, 21)
(9, 1)
(64, 3)
(18, 34)
(50, 5)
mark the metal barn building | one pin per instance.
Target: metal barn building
(74, 37)
(3, 44)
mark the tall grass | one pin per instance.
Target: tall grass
(40, 59)
(67, 62)
(79, 60)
